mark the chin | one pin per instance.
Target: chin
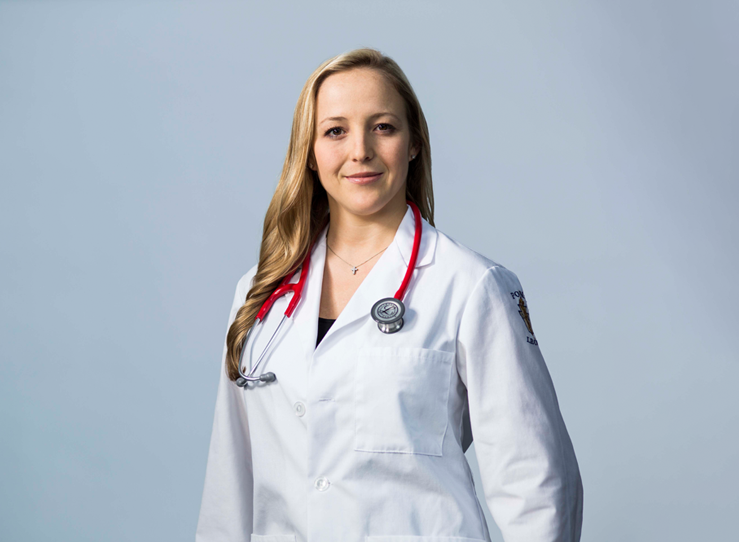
(368, 204)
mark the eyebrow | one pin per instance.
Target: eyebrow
(383, 113)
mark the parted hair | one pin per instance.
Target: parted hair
(299, 207)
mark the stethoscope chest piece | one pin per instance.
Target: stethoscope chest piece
(388, 313)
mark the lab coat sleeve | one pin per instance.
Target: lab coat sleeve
(226, 507)
(530, 475)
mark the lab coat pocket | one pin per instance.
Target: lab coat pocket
(272, 538)
(400, 400)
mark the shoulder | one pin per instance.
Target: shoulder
(472, 268)
(492, 294)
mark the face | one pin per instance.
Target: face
(361, 128)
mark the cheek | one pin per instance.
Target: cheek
(327, 158)
(395, 155)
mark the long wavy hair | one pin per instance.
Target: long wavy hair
(299, 208)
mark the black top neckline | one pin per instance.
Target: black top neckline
(324, 324)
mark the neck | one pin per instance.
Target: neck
(358, 236)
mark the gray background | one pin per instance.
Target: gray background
(591, 147)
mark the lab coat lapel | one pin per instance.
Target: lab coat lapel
(306, 314)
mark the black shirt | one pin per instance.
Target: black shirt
(324, 324)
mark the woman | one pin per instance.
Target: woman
(360, 435)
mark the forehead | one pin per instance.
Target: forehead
(357, 92)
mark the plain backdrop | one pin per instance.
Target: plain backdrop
(590, 147)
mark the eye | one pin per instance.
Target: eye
(385, 127)
(331, 132)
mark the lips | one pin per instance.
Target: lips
(365, 174)
(364, 178)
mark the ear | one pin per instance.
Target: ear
(414, 151)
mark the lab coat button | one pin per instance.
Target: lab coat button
(322, 483)
(299, 409)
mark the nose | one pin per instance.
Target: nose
(361, 147)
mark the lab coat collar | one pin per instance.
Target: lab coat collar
(383, 280)
(404, 240)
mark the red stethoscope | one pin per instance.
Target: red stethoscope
(387, 312)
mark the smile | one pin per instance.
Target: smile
(364, 180)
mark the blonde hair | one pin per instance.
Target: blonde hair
(299, 208)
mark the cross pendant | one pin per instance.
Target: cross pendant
(354, 270)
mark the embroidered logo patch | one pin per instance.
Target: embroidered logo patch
(524, 312)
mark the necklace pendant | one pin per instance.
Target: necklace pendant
(354, 270)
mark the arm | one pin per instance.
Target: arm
(531, 479)
(226, 509)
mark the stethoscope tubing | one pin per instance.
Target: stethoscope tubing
(400, 294)
(250, 376)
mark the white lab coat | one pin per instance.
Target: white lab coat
(360, 438)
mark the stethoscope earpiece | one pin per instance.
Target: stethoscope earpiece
(267, 377)
(388, 313)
